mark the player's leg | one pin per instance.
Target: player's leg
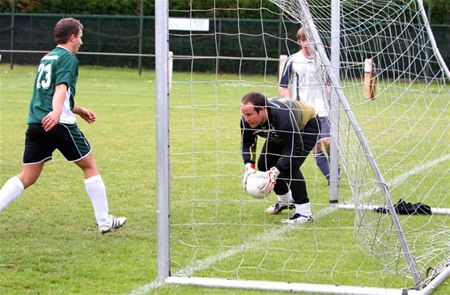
(95, 188)
(301, 201)
(320, 155)
(268, 158)
(75, 147)
(297, 184)
(284, 197)
(15, 186)
(37, 151)
(321, 159)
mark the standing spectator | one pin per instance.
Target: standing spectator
(301, 80)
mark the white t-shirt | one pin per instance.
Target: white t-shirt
(301, 75)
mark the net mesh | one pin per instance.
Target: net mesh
(405, 124)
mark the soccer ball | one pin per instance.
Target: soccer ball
(255, 183)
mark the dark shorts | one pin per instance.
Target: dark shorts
(67, 138)
(324, 127)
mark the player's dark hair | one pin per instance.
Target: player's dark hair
(66, 27)
(255, 98)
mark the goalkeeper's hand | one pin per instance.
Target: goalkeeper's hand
(272, 175)
(249, 169)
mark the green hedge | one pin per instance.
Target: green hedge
(238, 46)
(119, 34)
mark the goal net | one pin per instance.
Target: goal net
(389, 102)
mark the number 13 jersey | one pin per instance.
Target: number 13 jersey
(59, 66)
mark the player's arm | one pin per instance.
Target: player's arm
(248, 143)
(52, 118)
(285, 77)
(87, 115)
(248, 150)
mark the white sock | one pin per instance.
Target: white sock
(10, 191)
(303, 209)
(96, 191)
(286, 198)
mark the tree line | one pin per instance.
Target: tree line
(440, 9)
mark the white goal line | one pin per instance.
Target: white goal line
(396, 181)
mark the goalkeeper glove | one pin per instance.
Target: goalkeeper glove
(249, 169)
(272, 175)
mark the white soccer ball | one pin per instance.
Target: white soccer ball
(255, 183)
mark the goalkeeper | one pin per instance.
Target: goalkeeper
(291, 129)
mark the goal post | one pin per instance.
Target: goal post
(162, 136)
(212, 234)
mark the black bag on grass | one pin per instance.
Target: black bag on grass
(404, 208)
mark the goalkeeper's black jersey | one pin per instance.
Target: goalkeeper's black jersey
(286, 120)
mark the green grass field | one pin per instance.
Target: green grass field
(49, 242)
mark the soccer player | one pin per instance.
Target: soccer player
(300, 80)
(52, 125)
(291, 129)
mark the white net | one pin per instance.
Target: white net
(411, 120)
(219, 231)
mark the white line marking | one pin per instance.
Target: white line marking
(399, 179)
(270, 235)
